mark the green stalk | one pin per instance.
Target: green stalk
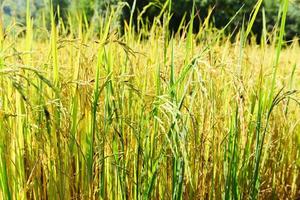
(53, 43)
(57, 125)
(93, 128)
(285, 6)
(270, 104)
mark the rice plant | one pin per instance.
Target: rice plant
(88, 112)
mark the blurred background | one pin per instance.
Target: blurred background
(221, 12)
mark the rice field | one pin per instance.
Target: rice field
(148, 114)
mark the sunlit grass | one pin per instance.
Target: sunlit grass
(149, 114)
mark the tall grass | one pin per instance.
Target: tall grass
(149, 114)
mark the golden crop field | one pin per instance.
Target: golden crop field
(148, 114)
